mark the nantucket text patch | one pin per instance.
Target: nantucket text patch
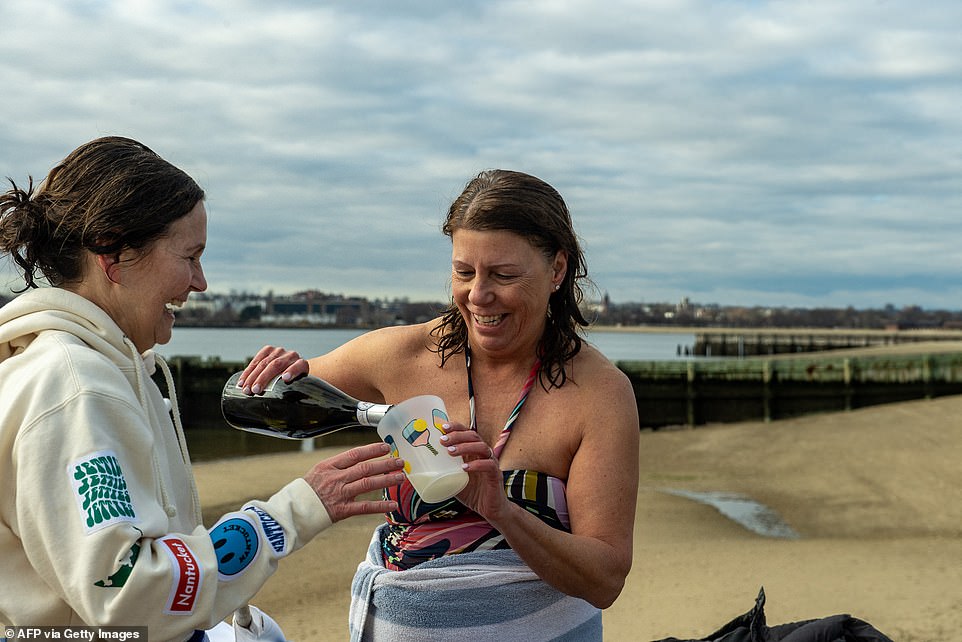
(187, 576)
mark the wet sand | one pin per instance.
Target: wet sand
(874, 494)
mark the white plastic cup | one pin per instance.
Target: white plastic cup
(413, 430)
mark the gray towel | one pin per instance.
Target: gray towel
(483, 595)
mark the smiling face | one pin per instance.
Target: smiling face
(150, 287)
(501, 285)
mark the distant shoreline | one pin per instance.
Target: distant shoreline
(677, 329)
(941, 334)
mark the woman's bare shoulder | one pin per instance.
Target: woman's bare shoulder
(400, 339)
(378, 349)
(369, 366)
(591, 368)
(604, 395)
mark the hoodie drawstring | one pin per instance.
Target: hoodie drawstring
(179, 429)
(140, 367)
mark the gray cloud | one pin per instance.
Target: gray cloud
(739, 152)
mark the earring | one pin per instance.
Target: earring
(557, 286)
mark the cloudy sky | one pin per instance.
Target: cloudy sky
(800, 153)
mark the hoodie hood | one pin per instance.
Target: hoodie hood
(33, 312)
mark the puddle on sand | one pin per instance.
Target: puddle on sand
(756, 517)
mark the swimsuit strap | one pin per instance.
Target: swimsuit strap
(506, 431)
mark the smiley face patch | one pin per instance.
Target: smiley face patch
(236, 544)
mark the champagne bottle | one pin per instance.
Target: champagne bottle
(304, 408)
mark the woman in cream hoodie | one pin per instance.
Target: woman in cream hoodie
(100, 522)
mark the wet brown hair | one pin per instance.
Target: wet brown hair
(109, 195)
(529, 207)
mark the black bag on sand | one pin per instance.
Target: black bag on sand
(751, 627)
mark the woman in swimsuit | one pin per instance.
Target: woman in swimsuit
(547, 425)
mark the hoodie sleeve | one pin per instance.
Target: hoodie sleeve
(96, 525)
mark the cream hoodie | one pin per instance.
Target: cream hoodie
(100, 522)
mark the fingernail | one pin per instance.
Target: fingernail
(446, 426)
(247, 390)
(240, 383)
(286, 377)
(451, 449)
(256, 389)
(464, 466)
(444, 437)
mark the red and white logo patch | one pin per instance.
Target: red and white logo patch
(187, 577)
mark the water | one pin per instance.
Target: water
(240, 344)
(756, 517)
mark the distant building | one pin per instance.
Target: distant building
(315, 308)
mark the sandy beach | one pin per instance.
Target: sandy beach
(874, 495)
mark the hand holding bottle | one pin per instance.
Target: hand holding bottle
(338, 480)
(271, 362)
(304, 408)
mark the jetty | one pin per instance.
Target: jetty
(746, 342)
(749, 342)
(699, 391)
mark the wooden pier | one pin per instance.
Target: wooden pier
(748, 342)
(696, 391)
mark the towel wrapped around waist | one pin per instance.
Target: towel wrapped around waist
(482, 595)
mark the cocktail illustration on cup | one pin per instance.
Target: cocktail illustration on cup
(417, 434)
(409, 428)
